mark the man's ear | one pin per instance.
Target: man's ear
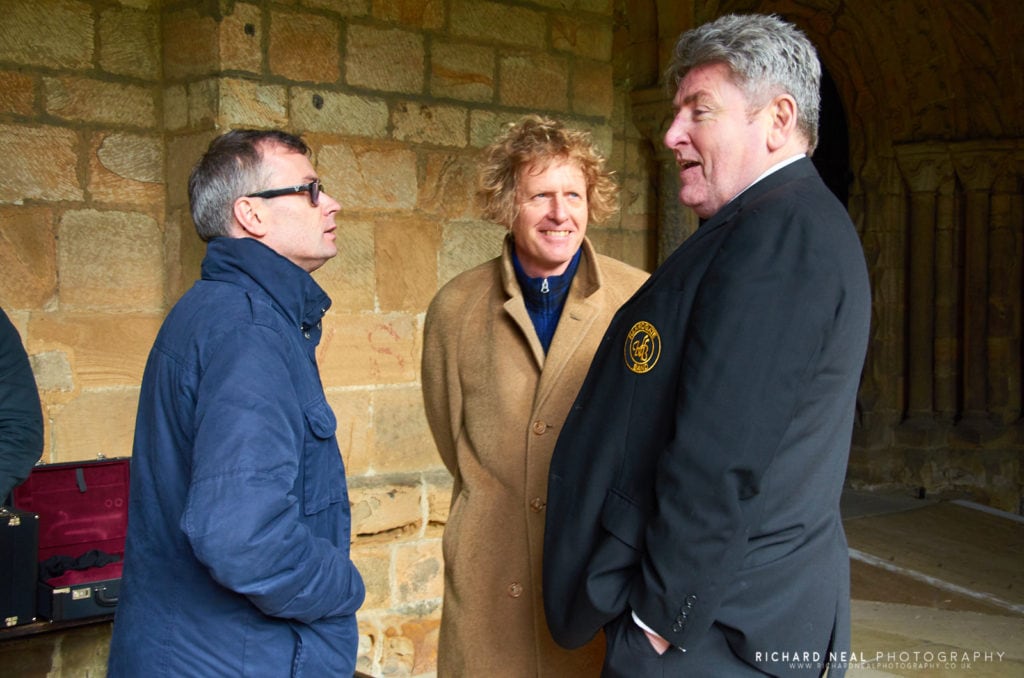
(783, 114)
(249, 217)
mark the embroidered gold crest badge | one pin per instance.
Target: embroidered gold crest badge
(643, 347)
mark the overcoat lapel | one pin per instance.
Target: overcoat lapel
(580, 312)
(577, 317)
(515, 306)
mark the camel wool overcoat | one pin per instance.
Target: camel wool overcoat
(495, 404)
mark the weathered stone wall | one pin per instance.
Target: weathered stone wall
(106, 104)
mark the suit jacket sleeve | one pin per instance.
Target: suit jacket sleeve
(758, 322)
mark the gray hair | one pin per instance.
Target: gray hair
(230, 168)
(766, 55)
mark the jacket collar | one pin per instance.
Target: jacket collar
(254, 266)
(794, 171)
(578, 311)
(800, 169)
(587, 280)
(546, 290)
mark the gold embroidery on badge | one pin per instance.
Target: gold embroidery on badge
(643, 347)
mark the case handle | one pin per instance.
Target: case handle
(103, 599)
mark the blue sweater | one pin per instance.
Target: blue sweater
(545, 297)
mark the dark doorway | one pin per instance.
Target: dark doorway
(832, 157)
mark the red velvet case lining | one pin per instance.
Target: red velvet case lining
(73, 521)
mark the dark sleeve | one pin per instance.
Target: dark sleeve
(758, 322)
(21, 417)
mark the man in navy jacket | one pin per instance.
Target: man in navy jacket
(693, 506)
(237, 557)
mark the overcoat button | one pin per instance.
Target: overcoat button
(539, 427)
(537, 504)
(515, 589)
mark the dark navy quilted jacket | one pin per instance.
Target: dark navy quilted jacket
(237, 558)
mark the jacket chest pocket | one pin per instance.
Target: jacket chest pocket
(323, 473)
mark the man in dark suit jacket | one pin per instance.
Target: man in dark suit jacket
(693, 499)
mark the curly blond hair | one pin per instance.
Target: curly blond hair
(538, 141)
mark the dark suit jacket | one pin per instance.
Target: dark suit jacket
(697, 479)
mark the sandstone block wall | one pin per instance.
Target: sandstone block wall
(106, 104)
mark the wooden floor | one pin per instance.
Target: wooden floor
(937, 589)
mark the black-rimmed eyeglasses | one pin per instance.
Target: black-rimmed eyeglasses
(314, 187)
